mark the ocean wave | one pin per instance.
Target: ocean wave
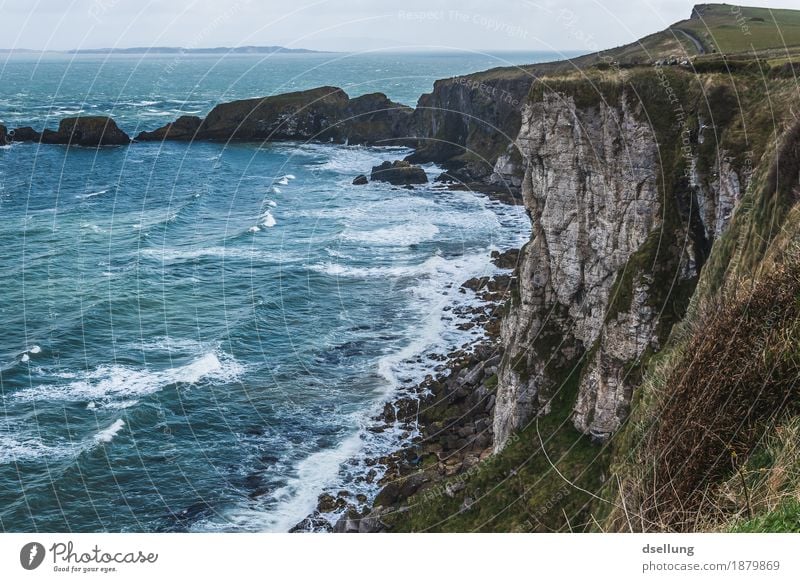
(16, 448)
(168, 255)
(119, 386)
(90, 194)
(398, 235)
(107, 435)
(298, 497)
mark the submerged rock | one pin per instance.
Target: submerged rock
(360, 180)
(399, 173)
(90, 131)
(3, 135)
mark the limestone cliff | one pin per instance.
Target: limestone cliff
(626, 197)
(590, 186)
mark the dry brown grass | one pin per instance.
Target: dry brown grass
(737, 376)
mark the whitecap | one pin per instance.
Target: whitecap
(107, 435)
(18, 448)
(398, 235)
(268, 220)
(34, 349)
(91, 194)
(118, 386)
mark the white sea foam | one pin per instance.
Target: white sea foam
(107, 435)
(268, 220)
(18, 448)
(253, 229)
(91, 194)
(34, 349)
(119, 386)
(299, 496)
(167, 254)
(398, 235)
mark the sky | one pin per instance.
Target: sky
(341, 25)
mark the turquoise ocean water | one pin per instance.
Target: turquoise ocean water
(194, 336)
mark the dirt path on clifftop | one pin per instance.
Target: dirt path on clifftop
(696, 41)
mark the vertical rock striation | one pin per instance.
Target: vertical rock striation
(591, 189)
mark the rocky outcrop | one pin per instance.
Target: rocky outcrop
(23, 134)
(398, 173)
(360, 180)
(591, 188)
(718, 196)
(184, 128)
(468, 122)
(3, 135)
(87, 131)
(321, 114)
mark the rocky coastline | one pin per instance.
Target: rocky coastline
(447, 419)
(323, 115)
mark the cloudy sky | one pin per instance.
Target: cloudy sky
(340, 24)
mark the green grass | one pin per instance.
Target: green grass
(784, 519)
(518, 489)
(734, 29)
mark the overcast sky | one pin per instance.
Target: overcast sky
(345, 25)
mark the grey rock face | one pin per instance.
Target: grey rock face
(590, 187)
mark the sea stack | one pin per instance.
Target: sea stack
(86, 131)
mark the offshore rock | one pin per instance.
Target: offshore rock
(88, 131)
(184, 128)
(321, 114)
(399, 173)
(24, 134)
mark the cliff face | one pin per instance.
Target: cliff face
(590, 186)
(626, 198)
(468, 123)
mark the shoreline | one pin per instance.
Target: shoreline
(445, 420)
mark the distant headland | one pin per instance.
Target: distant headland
(170, 50)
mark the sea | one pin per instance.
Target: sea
(196, 336)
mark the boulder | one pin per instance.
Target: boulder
(399, 173)
(360, 180)
(184, 128)
(507, 259)
(25, 134)
(88, 131)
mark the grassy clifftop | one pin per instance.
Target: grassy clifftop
(712, 31)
